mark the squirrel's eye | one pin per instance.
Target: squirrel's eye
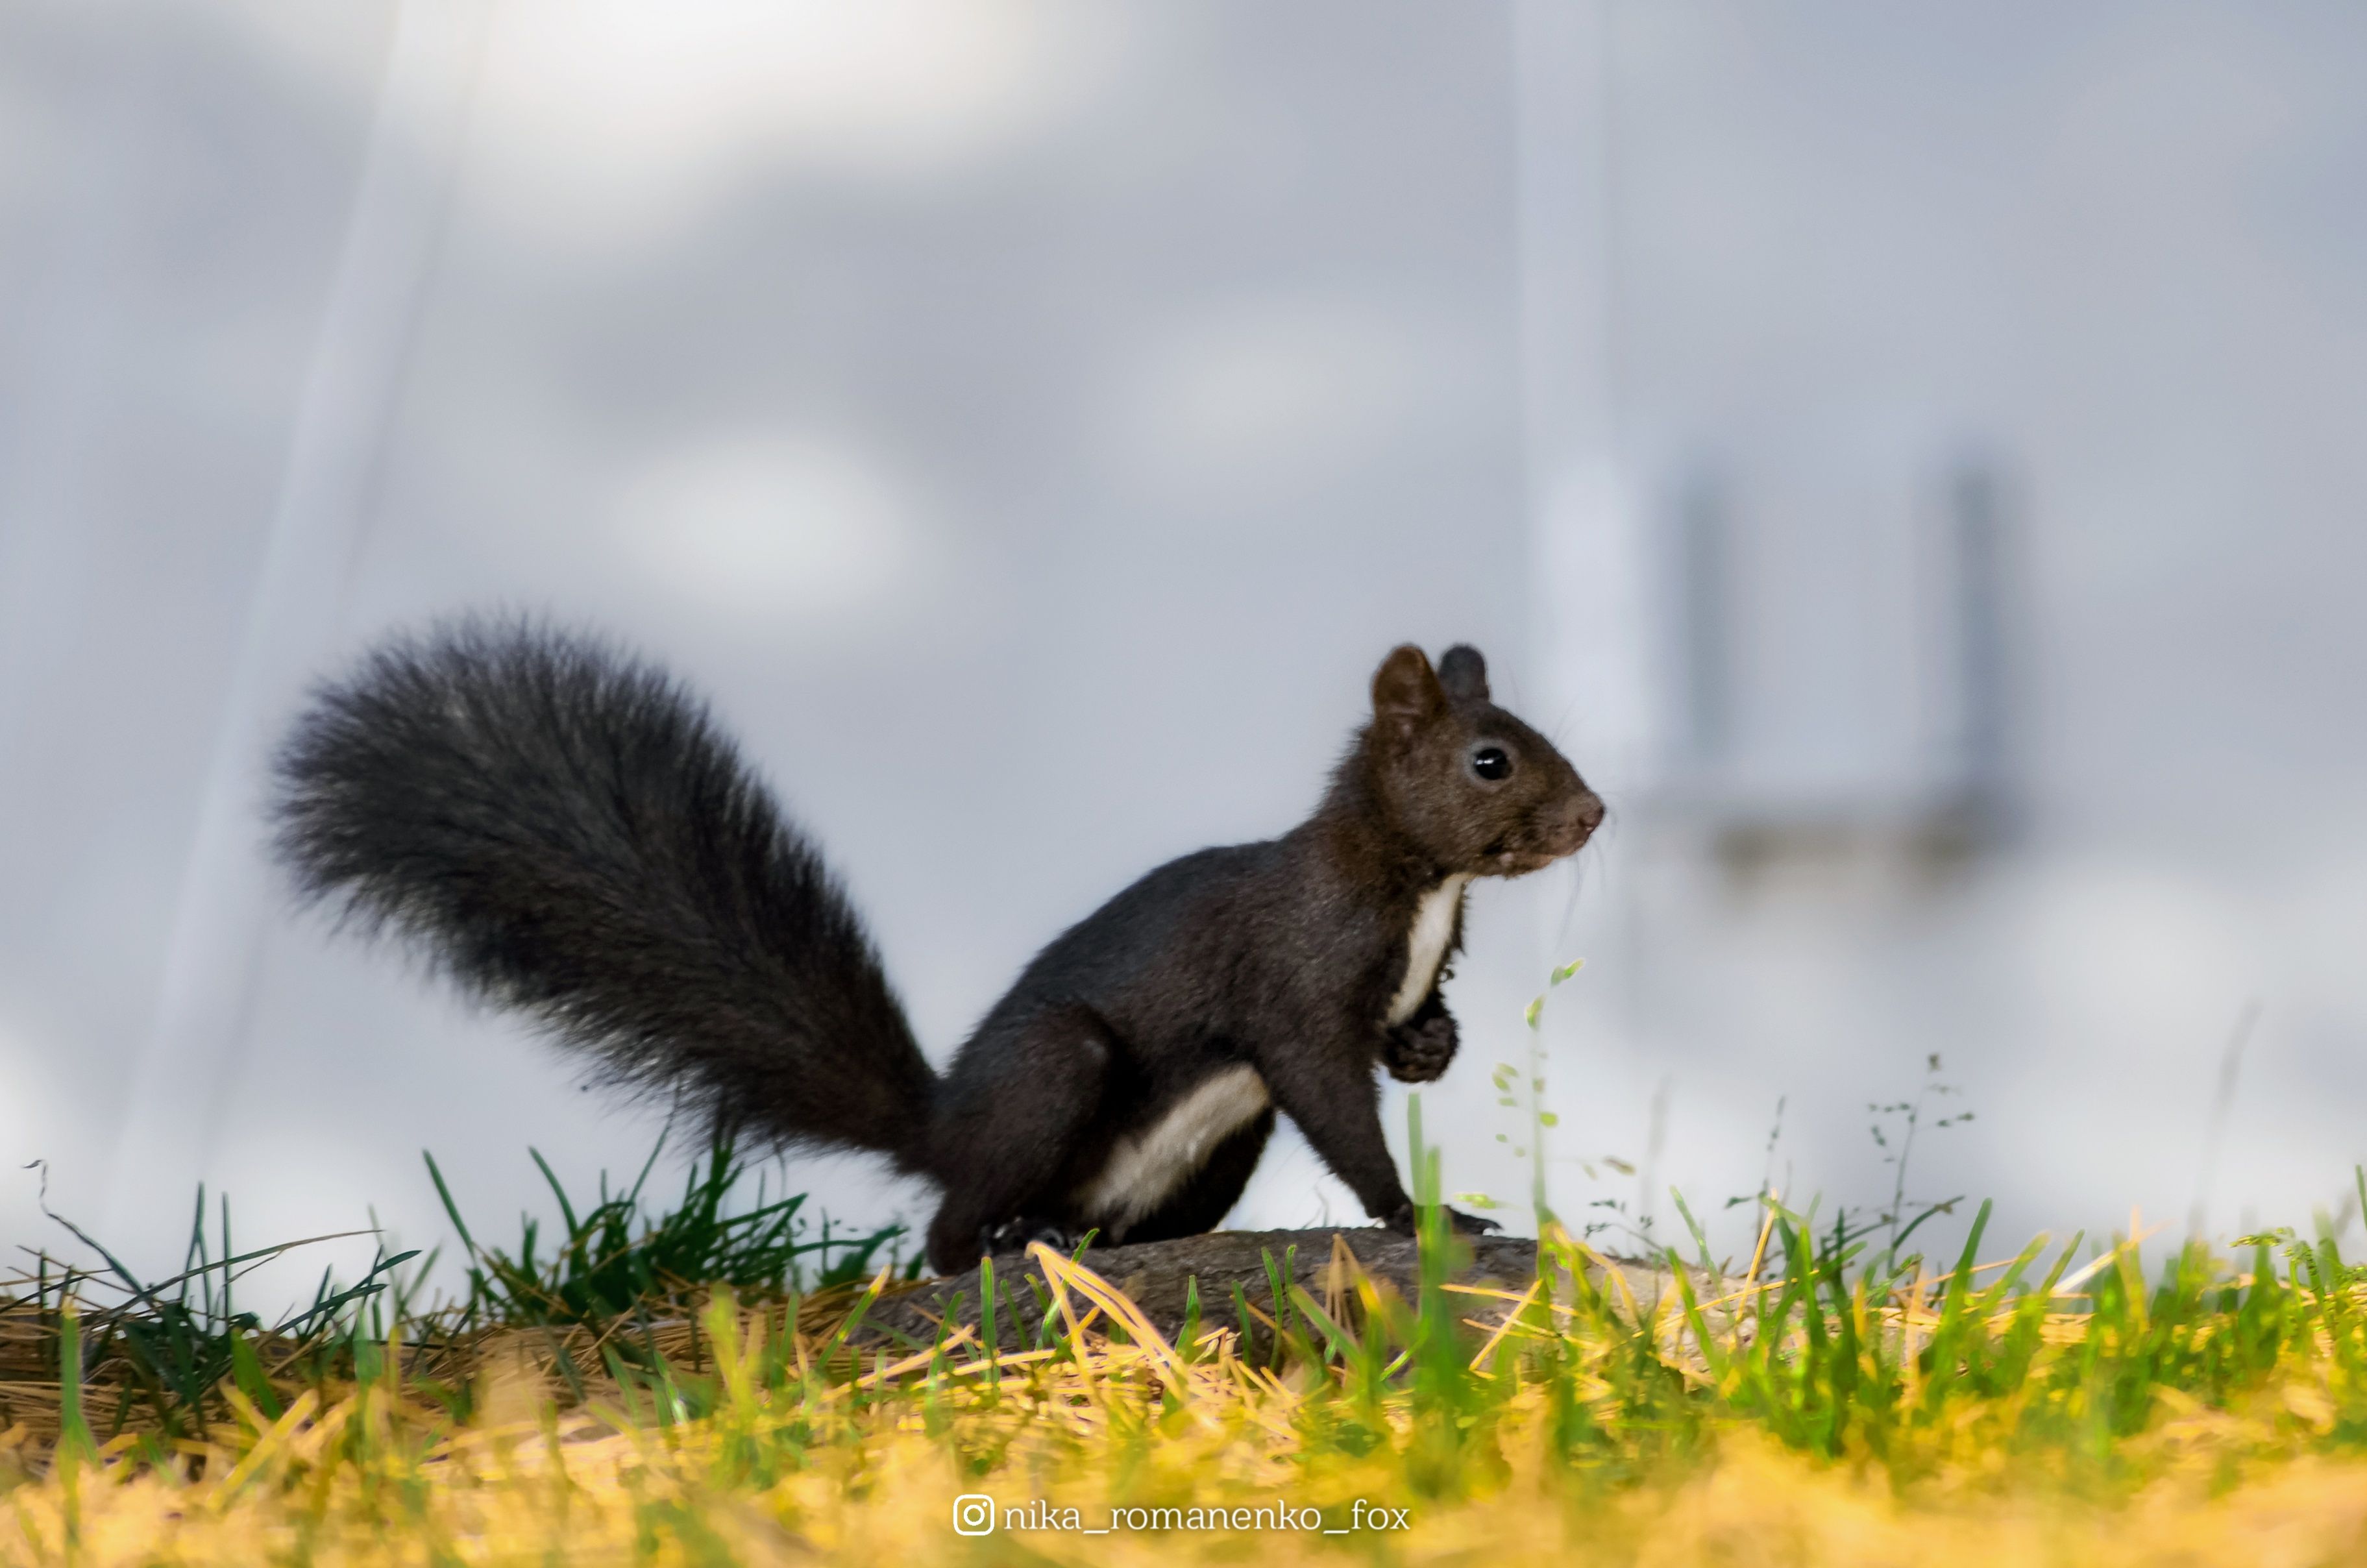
(1491, 763)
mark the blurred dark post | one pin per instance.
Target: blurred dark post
(1705, 606)
(1979, 579)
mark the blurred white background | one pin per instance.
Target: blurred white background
(1911, 458)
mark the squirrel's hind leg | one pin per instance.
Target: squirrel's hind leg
(1003, 1140)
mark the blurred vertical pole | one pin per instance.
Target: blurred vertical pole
(1589, 552)
(1593, 624)
(205, 994)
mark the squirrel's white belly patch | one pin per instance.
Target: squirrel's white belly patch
(1434, 924)
(1143, 1170)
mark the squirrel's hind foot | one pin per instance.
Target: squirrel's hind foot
(1018, 1234)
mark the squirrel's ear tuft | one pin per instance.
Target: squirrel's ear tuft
(1464, 673)
(1405, 690)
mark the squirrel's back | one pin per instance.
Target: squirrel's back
(562, 829)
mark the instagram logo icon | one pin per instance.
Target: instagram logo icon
(973, 1515)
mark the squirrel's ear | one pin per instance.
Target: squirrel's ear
(1464, 673)
(1405, 690)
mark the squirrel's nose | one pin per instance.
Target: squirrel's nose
(1575, 818)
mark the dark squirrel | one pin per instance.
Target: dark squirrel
(564, 830)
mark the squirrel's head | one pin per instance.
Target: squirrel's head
(1475, 786)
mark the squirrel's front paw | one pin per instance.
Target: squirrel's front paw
(1418, 1053)
(1406, 1221)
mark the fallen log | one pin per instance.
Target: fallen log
(1157, 1277)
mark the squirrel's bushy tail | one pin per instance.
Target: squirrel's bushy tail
(564, 830)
